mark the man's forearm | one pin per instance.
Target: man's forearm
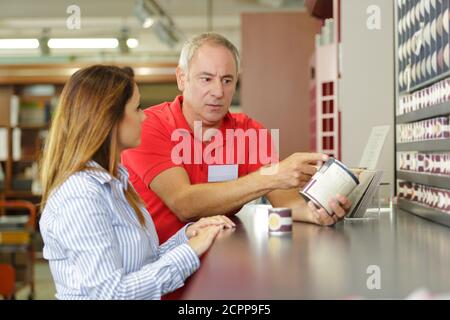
(208, 199)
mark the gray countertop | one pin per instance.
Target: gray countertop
(405, 251)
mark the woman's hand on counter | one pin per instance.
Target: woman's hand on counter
(222, 221)
(204, 238)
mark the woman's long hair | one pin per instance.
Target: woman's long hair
(85, 127)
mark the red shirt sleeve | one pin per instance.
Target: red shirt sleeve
(153, 155)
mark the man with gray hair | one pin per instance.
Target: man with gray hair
(184, 169)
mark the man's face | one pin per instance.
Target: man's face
(209, 86)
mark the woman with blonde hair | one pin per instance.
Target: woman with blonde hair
(98, 237)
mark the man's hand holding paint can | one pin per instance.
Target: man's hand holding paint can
(333, 178)
(296, 170)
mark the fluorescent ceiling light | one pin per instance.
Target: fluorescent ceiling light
(148, 22)
(19, 43)
(132, 43)
(86, 43)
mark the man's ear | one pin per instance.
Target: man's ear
(181, 78)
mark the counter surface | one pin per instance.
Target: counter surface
(313, 262)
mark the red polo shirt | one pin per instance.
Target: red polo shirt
(155, 154)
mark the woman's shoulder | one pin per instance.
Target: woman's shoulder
(75, 204)
(79, 188)
(80, 184)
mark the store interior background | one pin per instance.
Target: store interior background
(283, 68)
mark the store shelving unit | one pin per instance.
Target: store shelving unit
(414, 19)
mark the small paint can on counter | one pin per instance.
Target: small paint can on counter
(280, 220)
(332, 178)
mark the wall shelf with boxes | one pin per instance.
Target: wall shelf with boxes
(430, 145)
(324, 80)
(26, 110)
(423, 108)
(423, 43)
(440, 181)
(422, 114)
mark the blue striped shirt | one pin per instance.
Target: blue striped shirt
(97, 248)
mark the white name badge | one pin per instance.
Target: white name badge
(218, 173)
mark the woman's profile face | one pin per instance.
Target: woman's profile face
(130, 126)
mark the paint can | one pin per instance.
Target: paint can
(280, 220)
(332, 178)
